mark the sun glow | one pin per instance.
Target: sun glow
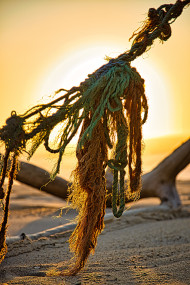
(159, 121)
(73, 69)
(75, 66)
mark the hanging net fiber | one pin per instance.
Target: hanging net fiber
(110, 106)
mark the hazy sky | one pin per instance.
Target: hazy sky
(48, 44)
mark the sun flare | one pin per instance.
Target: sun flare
(73, 69)
(159, 121)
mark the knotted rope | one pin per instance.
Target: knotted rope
(111, 106)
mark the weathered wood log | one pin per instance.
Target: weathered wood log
(160, 182)
(39, 178)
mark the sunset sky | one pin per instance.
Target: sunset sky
(49, 44)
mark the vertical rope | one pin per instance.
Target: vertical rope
(118, 164)
(3, 227)
(118, 194)
(4, 171)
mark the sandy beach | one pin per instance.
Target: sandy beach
(149, 244)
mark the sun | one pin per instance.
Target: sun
(73, 68)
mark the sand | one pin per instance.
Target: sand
(149, 244)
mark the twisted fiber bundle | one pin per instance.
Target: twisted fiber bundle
(111, 107)
(88, 195)
(89, 188)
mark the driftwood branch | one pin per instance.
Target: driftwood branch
(160, 182)
(39, 178)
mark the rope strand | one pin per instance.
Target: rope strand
(3, 227)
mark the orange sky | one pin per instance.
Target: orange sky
(48, 44)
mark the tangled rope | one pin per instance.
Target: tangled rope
(111, 107)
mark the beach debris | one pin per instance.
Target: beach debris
(110, 106)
